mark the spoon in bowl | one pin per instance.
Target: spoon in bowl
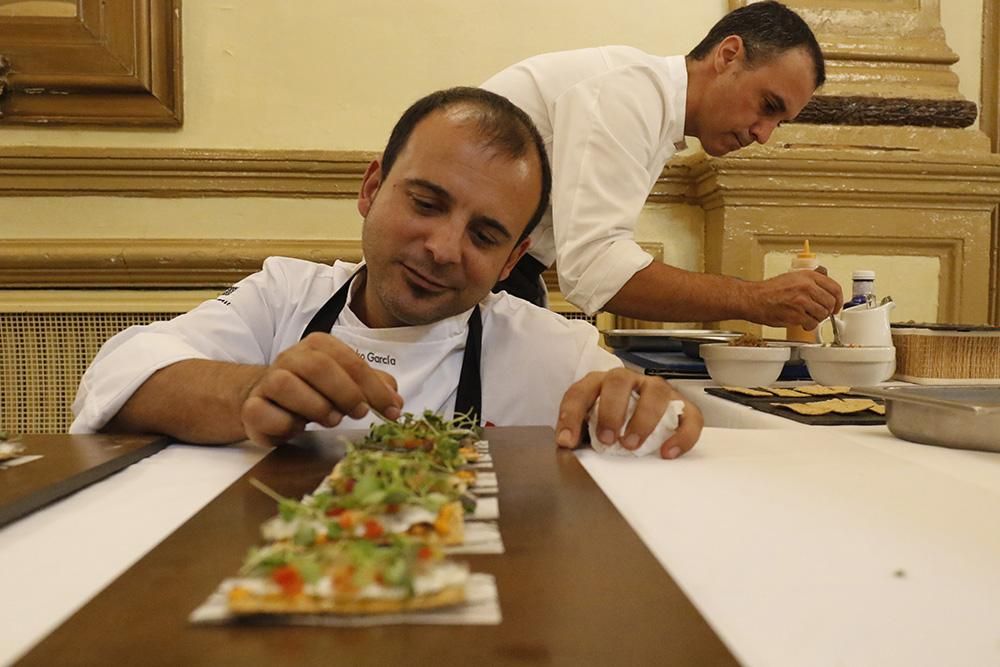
(836, 332)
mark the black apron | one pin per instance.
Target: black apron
(469, 400)
(524, 281)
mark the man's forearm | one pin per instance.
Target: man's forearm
(196, 401)
(661, 292)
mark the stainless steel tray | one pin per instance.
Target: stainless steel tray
(962, 417)
(663, 340)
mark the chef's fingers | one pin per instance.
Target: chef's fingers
(287, 390)
(829, 295)
(324, 381)
(573, 409)
(654, 398)
(834, 288)
(688, 431)
(615, 394)
(393, 408)
(268, 424)
(342, 377)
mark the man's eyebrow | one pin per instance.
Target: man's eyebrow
(486, 220)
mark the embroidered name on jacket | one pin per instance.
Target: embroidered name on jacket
(225, 294)
(376, 358)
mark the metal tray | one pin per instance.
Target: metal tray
(962, 417)
(663, 340)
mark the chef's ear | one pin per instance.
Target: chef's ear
(728, 51)
(515, 256)
(369, 187)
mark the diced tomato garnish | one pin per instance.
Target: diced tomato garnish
(346, 520)
(425, 552)
(349, 485)
(289, 579)
(335, 511)
(373, 529)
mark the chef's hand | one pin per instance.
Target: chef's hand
(614, 388)
(805, 298)
(319, 379)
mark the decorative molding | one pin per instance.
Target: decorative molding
(914, 63)
(990, 83)
(27, 171)
(817, 178)
(990, 124)
(102, 301)
(62, 172)
(145, 263)
(995, 268)
(837, 110)
(168, 275)
(69, 172)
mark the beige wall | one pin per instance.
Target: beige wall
(314, 74)
(335, 75)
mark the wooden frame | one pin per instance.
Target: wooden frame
(118, 62)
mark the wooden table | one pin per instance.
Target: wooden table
(576, 584)
(68, 463)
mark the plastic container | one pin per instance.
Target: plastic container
(804, 261)
(862, 285)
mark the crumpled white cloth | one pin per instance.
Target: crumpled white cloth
(664, 429)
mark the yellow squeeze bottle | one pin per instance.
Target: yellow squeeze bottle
(804, 261)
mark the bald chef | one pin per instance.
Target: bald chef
(447, 212)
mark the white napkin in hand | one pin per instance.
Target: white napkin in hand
(664, 429)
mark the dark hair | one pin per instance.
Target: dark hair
(768, 29)
(501, 124)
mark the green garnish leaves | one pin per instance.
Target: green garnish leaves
(305, 535)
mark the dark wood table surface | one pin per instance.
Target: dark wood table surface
(68, 463)
(576, 584)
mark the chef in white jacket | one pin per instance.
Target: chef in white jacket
(611, 118)
(447, 210)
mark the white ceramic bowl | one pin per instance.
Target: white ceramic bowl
(738, 366)
(849, 366)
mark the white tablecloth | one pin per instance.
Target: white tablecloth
(827, 546)
(824, 546)
(54, 560)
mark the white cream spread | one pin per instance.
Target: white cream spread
(438, 578)
(276, 528)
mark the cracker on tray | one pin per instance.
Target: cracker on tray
(785, 392)
(840, 406)
(820, 390)
(747, 391)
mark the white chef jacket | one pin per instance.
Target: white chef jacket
(530, 355)
(610, 117)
